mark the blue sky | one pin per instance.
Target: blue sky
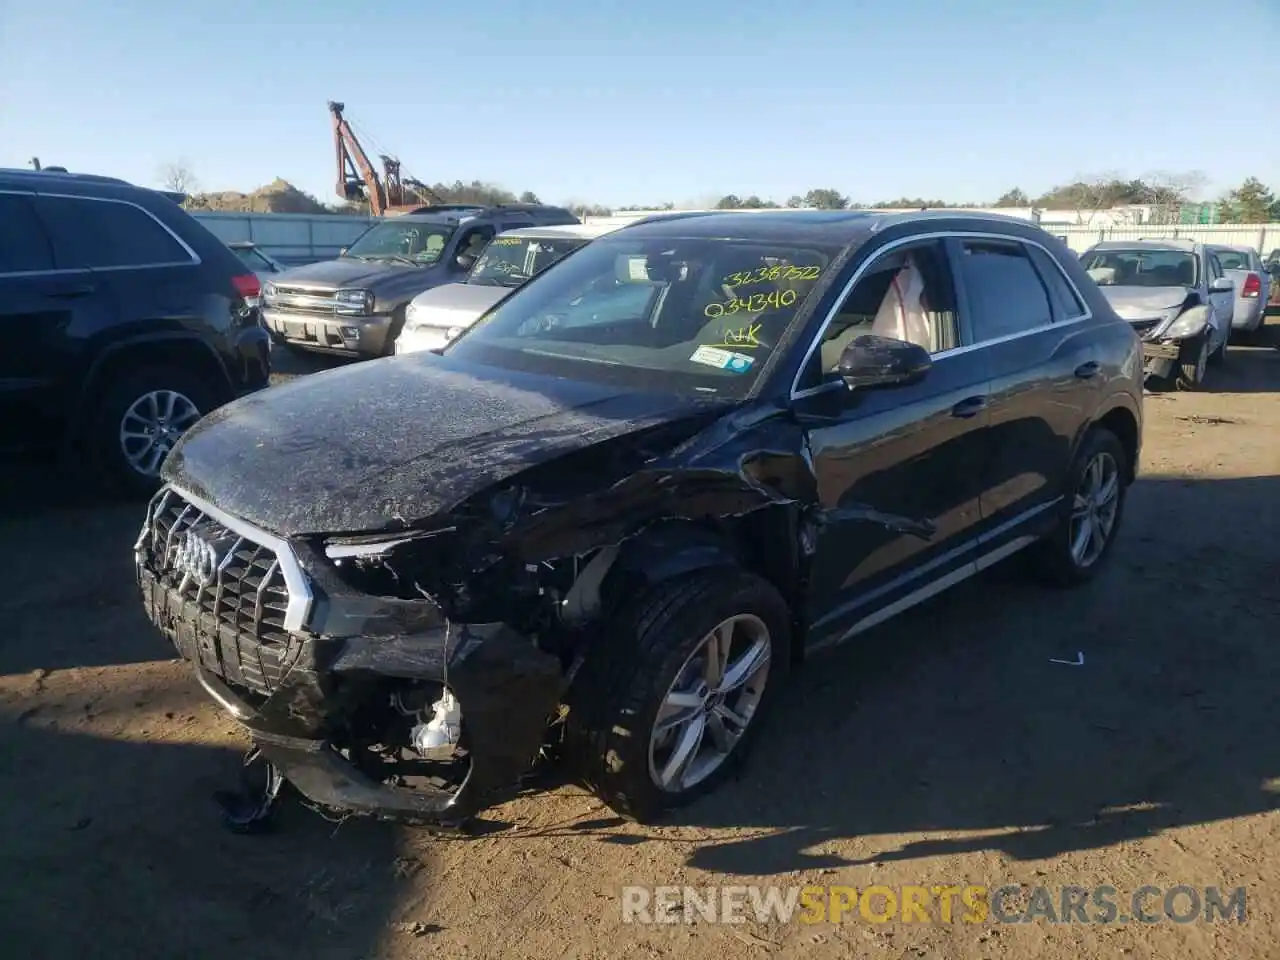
(643, 102)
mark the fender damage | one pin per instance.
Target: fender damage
(494, 604)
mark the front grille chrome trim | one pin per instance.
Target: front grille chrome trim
(300, 595)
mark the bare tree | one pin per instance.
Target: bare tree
(1094, 193)
(177, 176)
(1170, 190)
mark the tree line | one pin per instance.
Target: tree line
(1250, 202)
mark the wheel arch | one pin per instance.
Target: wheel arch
(171, 349)
(1122, 419)
(675, 549)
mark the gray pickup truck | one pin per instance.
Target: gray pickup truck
(355, 306)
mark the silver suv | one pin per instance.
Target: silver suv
(355, 306)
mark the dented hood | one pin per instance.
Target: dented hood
(383, 444)
(1139, 303)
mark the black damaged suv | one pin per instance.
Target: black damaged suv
(606, 520)
(125, 321)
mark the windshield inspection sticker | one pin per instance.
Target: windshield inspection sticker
(724, 359)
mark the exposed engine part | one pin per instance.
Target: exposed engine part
(250, 809)
(437, 739)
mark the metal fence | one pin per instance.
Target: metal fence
(1263, 237)
(294, 238)
(291, 238)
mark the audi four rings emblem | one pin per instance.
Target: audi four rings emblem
(197, 558)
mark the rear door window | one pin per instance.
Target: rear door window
(1005, 293)
(108, 234)
(24, 245)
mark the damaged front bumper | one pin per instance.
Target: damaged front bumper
(508, 689)
(1160, 358)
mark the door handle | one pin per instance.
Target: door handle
(1087, 370)
(969, 407)
(70, 293)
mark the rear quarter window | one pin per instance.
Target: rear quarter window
(108, 233)
(1060, 289)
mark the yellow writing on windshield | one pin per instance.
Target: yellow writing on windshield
(508, 241)
(747, 278)
(756, 303)
(743, 338)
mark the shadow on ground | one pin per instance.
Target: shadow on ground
(953, 719)
(113, 849)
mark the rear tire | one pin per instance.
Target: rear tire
(1059, 559)
(140, 415)
(647, 659)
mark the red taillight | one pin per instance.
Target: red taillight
(247, 285)
(1252, 286)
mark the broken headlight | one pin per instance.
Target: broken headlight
(407, 566)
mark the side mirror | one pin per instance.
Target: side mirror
(870, 362)
(342, 252)
(1222, 285)
(464, 261)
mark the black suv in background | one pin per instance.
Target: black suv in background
(355, 306)
(125, 319)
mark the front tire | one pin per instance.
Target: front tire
(141, 414)
(1090, 518)
(1220, 355)
(1191, 369)
(667, 706)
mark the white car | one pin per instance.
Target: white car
(439, 315)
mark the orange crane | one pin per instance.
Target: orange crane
(358, 180)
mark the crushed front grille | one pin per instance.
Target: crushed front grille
(237, 585)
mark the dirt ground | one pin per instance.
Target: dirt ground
(944, 748)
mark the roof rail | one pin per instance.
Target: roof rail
(673, 215)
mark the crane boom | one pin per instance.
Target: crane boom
(357, 178)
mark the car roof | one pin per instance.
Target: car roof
(1234, 248)
(1168, 243)
(457, 212)
(562, 231)
(816, 226)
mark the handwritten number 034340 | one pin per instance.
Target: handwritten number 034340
(756, 303)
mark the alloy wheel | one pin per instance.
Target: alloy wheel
(710, 704)
(1094, 508)
(152, 425)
